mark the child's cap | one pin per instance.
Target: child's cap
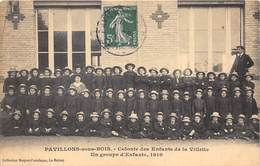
(80, 113)
(186, 93)
(120, 91)
(46, 87)
(241, 116)
(186, 119)
(109, 90)
(141, 67)
(153, 69)
(129, 64)
(215, 114)
(176, 70)
(224, 74)
(99, 69)
(254, 117)
(133, 116)
(173, 114)
(97, 90)
(27, 72)
(106, 110)
(119, 113)
(237, 89)
(107, 68)
(200, 72)
(94, 114)
(234, 74)
(57, 70)
(224, 89)
(154, 92)
(64, 112)
(229, 116)
(85, 90)
(164, 92)
(117, 67)
(197, 114)
(22, 85)
(249, 89)
(72, 88)
(67, 69)
(176, 92)
(130, 90)
(47, 69)
(159, 113)
(140, 91)
(61, 87)
(37, 111)
(164, 69)
(17, 112)
(248, 74)
(33, 87)
(211, 73)
(209, 88)
(12, 69)
(147, 114)
(11, 87)
(187, 69)
(89, 67)
(199, 90)
(50, 110)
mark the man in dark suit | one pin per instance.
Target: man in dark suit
(242, 62)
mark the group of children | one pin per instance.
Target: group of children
(107, 102)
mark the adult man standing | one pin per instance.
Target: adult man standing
(242, 62)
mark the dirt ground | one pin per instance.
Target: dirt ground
(77, 151)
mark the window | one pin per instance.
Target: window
(66, 37)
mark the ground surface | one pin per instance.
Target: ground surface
(210, 152)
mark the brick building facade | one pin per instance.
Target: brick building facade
(196, 34)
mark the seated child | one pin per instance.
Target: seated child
(242, 129)
(119, 125)
(64, 124)
(79, 124)
(199, 127)
(160, 127)
(133, 127)
(106, 123)
(214, 126)
(93, 126)
(173, 127)
(15, 125)
(34, 125)
(147, 126)
(229, 127)
(187, 131)
(49, 124)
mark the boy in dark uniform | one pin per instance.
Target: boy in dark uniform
(177, 82)
(93, 126)
(10, 80)
(15, 125)
(214, 126)
(57, 80)
(119, 125)
(199, 104)
(199, 127)
(117, 79)
(153, 104)
(130, 102)
(64, 126)
(242, 129)
(66, 77)
(88, 77)
(165, 80)
(98, 102)
(173, 127)
(141, 79)
(86, 103)
(106, 124)
(120, 103)
(210, 100)
(79, 124)
(186, 105)
(165, 105)
(21, 97)
(23, 79)
(250, 106)
(133, 127)
(46, 99)
(221, 82)
(108, 78)
(141, 103)
(49, 124)
(71, 103)
(211, 80)
(247, 82)
(46, 79)
(59, 100)
(147, 126)
(254, 125)
(188, 80)
(187, 131)
(200, 82)
(32, 101)
(234, 81)
(109, 101)
(229, 127)
(154, 80)
(224, 106)
(237, 102)
(77, 71)
(34, 78)
(160, 127)
(177, 103)
(99, 79)
(34, 125)
(129, 76)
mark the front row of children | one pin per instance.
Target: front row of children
(107, 125)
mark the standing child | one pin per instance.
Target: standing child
(34, 125)
(177, 103)
(21, 97)
(49, 124)
(34, 78)
(64, 126)
(119, 125)
(160, 127)
(99, 79)
(177, 81)
(210, 100)
(106, 123)
(109, 101)
(200, 82)
(32, 101)
(147, 126)
(236, 103)
(165, 80)
(46, 99)
(234, 81)
(211, 80)
(59, 100)
(154, 80)
(98, 103)
(72, 102)
(108, 78)
(133, 127)
(153, 104)
(117, 79)
(186, 105)
(66, 77)
(23, 79)
(129, 76)
(93, 126)
(79, 124)
(224, 106)
(173, 127)
(188, 80)
(229, 127)
(250, 106)
(130, 102)
(215, 126)
(199, 104)
(88, 77)
(46, 78)
(120, 103)
(165, 105)
(86, 103)
(9, 101)
(247, 82)
(57, 80)
(187, 131)
(221, 82)
(141, 79)
(141, 103)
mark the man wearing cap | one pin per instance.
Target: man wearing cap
(242, 62)
(10, 80)
(117, 79)
(129, 76)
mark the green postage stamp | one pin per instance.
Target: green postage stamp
(120, 26)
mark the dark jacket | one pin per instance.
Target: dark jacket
(141, 82)
(118, 83)
(120, 105)
(242, 64)
(250, 107)
(224, 106)
(141, 107)
(98, 105)
(129, 79)
(153, 107)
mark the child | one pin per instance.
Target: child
(66, 77)
(198, 104)
(23, 79)
(129, 76)
(173, 127)
(141, 79)
(34, 77)
(108, 78)
(229, 127)
(234, 81)
(98, 103)
(186, 105)
(188, 80)
(15, 125)
(46, 78)
(34, 125)
(59, 100)
(72, 102)
(237, 102)
(57, 80)
(79, 124)
(165, 105)
(64, 126)
(117, 79)
(32, 101)
(153, 104)
(210, 101)
(119, 125)
(106, 124)
(49, 124)
(214, 126)
(130, 102)
(250, 106)
(46, 99)
(224, 106)
(200, 82)
(177, 103)
(187, 131)
(20, 103)
(77, 71)
(93, 127)
(109, 101)
(9, 101)
(242, 129)
(77, 84)
(198, 126)
(89, 77)
(248, 81)
(99, 79)
(177, 82)
(147, 126)
(120, 103)
(10, 80)
(211, 80)
(160, 127)
(154, 80)
(222, 81)
(86, 103)
(141, 103)
(133, 127)
(254, 125)
(165, 80)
